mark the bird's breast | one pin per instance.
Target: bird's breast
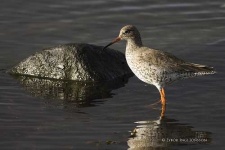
(143, 69)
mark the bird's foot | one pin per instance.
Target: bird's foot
(154, 105)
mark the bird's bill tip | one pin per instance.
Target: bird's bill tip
(114, 41)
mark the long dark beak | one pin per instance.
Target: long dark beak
(114, 41)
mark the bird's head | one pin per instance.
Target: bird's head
(126, 33)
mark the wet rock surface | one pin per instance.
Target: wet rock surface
(80, 62)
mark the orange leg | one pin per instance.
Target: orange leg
(163, 101)
(163, 96)
(163, 111)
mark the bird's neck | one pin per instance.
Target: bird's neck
(133, 44)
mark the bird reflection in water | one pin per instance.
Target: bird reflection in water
(165, 133)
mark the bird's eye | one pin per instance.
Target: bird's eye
(127, 31)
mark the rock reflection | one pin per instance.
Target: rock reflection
(70, 93)
(164, 133)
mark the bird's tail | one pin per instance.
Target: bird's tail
(198, 69)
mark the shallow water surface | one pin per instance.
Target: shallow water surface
(119, 117)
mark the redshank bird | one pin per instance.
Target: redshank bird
(156, 67)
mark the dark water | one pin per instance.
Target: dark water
(192, 30)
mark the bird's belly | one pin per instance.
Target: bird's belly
(146, 72)
(152, 74)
